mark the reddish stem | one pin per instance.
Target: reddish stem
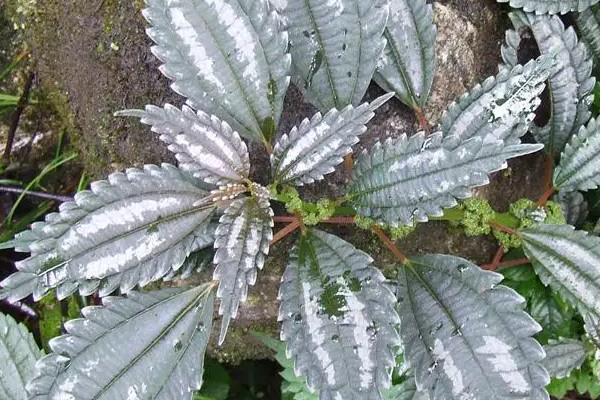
(349, 164)
(389, 244)
(286, 231)
(285, 218)
(497, 258)
(546, 196)
(503, 264)
(504, 229)
(422, 120)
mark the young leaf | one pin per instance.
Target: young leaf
(502, 107)
(408, 179)
(588, 22)
(204, 145)
(229, 58)
(145, 346)
(568, 260)
(579, 166)
(338, 318)
(315, 147)
(464, 335)
(242, 243)
(570, 80)
(18, 354)
(406, 390)
(550, 6)
(407, 65)
(129, 230)
(574, 206)
(554, 317)
(563, 356)
(335, 46)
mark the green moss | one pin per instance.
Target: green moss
(476, 216)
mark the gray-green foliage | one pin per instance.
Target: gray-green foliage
(464, 335)
(588, 22)
(550, 6)
(563, 356)
(18, 354)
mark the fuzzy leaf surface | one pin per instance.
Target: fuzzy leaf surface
(204, 145)
(335, 46)
(568, 261)
(315, 147)
(242, 244)
(588, 22)
(338, 318)
(408, 179)
(563, 356)
(550, 6)
(500, 108)
(579, 166)
(570, 81)
(407, 65)
(592, 328)
(18, 354)
(229, 58)
(573, 205)
(131, 229)
(143, 346)
(464, 335)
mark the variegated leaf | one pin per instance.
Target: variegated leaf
(574, 207)
(407, 65)
(338, 318)
(145, 346)
(579, 166)
(407, 179)
(502, 107)
(196, 262)
(335, 46)
(18, 354)
(570, 80)
(406, 390)
(563, 356)
(242, 243)
(592, 328)
(588, 22)
(131, 229)
(550, 6)
(204, 145)
(315, 147)
(229, 58)
(465, 336)
(568, 260)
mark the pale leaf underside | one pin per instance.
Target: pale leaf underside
(335, 46)
(464, 336)
(574, 207)
(242, 244)
(228, 58)
(579, 166)
(500, 108)
(18, 354)
(131, 229)
(570, 80)
(315, 147)
(408, 179)
(204, 145)
(563, 356)
(145, 346)
(338, 319)
(568, 261)
(407, 65)
(550, 6)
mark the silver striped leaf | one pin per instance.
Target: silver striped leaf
(501, 107)
(129, 230)
(338, 319)
(563, 356)
(143, 346)
(318, 145)
(464, 335)
(18, 354)
(335, 46)
(588, 22)
(592, 328)
(570, 80)
(203, 144)
(568, 261)
(579, 166)
(574, 207)
(407, 179)
(550, 6)
(242, 244)
(229, 58)
(407, 65)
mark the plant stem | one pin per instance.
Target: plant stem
(286, 231)
(349, 164)
(421, 119)
(390, 244)
(17, 117)
(546, 196)
(41, 195)
(497, 258)
(504, 229)
(505, 264)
